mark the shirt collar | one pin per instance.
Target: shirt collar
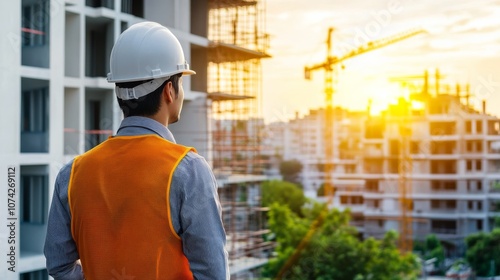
(136, 125)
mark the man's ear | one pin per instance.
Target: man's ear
(168, 93)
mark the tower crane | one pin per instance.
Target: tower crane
(329, 65)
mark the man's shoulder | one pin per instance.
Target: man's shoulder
(65, 171)
(193, 158)
(193, 163)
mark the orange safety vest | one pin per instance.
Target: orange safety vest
(119, 201)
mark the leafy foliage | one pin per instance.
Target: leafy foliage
(290, 170)
(332, 248)
(432, 248)
(283, 193)
(482, 248)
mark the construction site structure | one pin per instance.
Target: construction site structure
(55, 59)
(330, 67)
(237, 44)
(453, 180)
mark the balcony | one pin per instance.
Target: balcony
(374, 231)
(444, 231)
(355, 208)
(373, 153)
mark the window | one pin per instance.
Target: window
(479, 127)
(444, 185)
(479, 146)
(479, 165)
(394, 147)
(134, 7)
(450, 185)
(479, 224)
(124, 26)
(444, 226)
(393, 166)
(469, 165)
(372, 186)
(468, 127)
(34, 275)
(350, 168)
(357, 200)
(469, 147)
(34, 189)
(434, 203)
(100, 3)
(35, 113)
(35, 121)
(35, 23)
(415, 147)
(344, 200)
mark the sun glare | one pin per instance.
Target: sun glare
(382, 93)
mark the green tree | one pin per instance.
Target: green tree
(283, 193)
(321, 190)
(385, 262)
(482, 248)
(497, 222)
(334, 250)
(290, 170)
(434, 249)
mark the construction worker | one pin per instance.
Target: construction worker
(139, 206)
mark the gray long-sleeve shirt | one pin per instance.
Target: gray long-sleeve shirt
(194, 205)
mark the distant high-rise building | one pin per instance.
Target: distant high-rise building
(453, 161)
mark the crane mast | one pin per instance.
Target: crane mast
(328, 65)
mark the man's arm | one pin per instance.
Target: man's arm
(199, 224)
(60, 250)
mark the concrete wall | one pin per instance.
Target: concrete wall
(64, 73)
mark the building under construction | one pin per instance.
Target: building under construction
(54, 65)
(237, 44)
(435, 144)
(450, 166)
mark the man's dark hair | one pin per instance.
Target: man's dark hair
(147, 105)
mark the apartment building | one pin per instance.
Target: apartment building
(53, 64)
(452, 167)
(453, 157)
(302, 139)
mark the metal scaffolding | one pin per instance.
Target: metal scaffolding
(237, 44)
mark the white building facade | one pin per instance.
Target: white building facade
(454, 175)
(53, 62)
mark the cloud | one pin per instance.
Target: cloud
(462, 40)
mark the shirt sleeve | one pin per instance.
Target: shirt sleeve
(63, 261)
(196, 215)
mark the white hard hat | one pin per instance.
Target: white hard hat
(146, 51)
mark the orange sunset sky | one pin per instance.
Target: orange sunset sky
(462, 40)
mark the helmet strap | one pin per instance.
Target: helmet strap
(140, 90)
